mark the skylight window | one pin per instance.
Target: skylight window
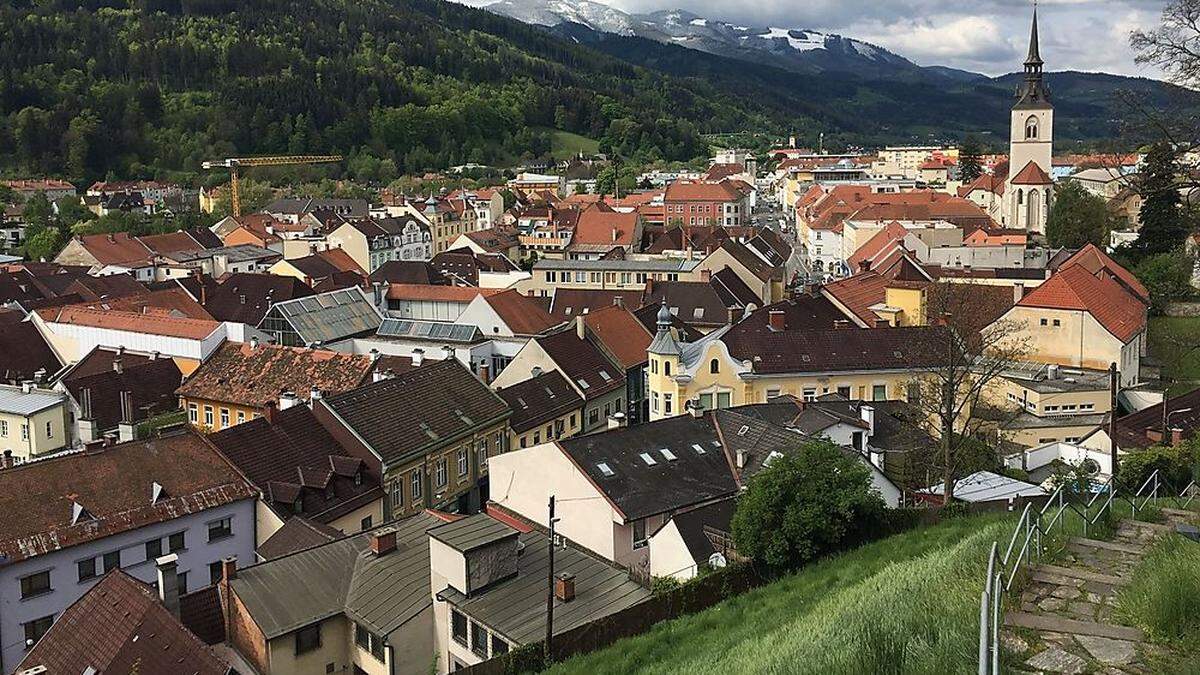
(698, 448)
(583, 383)
(668, 455)
(647, 459)
(606, 470)
(606, 376)
(743, 430)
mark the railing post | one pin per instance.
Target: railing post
(997, 612)
(983, 633)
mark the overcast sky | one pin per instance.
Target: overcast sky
(989, 36)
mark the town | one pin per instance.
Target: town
(553, 415)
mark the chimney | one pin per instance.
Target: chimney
(536, 371)
(7, 461)
(616, 420)
(288, 399)
(694, 408)
(485, 371)
(614, 235)
(1176, 436)
(867, 413)
(314, 395)
(1052, 371)
(705, 275)
(168, 582)
(253, 343)
(1155, 435)
(418, 356)
(864, 266)
(564, 586)
(776, 320)
(125, 429)
(448, 352)
(841, 324)
(618, 301)
(270, 412)
(27, 386)
(741, 459)
(374, 355)
(229, 568)
(383, 541)
(579, 327)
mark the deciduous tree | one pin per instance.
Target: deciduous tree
(1078, 218)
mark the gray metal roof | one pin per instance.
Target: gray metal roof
(327, 317)
(516, 608)
(659, 265)
(16, 402)
(471, 533)
(343, 576)
(985, 486)
(431, 330)
(236, 253)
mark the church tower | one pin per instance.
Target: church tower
(1030, 190)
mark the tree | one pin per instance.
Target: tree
(254, 195)
(970, 165)
(1168, 277)
(1164, 222)
(1172, 45)
(813, 500)
(37, 212)
(1078, 218)
(959, 358)
(45, 244)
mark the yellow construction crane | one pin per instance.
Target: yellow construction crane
(236, 163)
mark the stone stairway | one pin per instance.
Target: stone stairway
(1065, 622)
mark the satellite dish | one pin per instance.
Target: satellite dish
(717, 560)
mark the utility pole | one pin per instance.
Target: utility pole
(1112, 414)
(550, 587)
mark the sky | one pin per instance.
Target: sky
(987, 36)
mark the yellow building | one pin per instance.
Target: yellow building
(33, 422)
(1042, 403)
(544, 408)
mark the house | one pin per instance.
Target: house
(543, 407)
(487, 203)
(601, 229)
(74, 331)
(318, 267)
(464, 266)
(1044, 461)
(365, 608)
(33, 422)
(70, 519)
(497, 240)
(483, 610)
(706, 305)
(374, 241)
(762, 273)
(429, 432)
(241, 380)
(53, 188)
(567, 303)
(124, 625)
(215, 262)
(293, 209)
(121, 252)
(984, 486)
(1080, 320)
(573, 352)
(302, 473)
(704, 202)
(110, 387)
(25, 354)
(1047, 403)
(322, 319)
(431, 302)
(507, 314)
(1150, 426)
(623, 339)
(247, 297)
(606, 274)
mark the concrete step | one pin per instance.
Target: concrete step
(1077, 543)
(1179, 513)
(1076, 573)
(1143, 525)
(1057, 624)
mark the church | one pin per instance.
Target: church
(1020, 193)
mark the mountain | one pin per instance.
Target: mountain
(804, 51)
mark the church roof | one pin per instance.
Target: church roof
(1034, 53)
(1032, 174)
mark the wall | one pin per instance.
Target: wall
(242, 633)
(354, 243)
(334, 649)
(351, 523)
(1078, 341)
(248, 413)
(267, 523)
(569, 422)
(64, 580)
(669, 555)
(37, 443)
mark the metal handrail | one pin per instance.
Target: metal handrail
(1188, 494)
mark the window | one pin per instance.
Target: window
(844, 392)
(35, 584)
(714, 366)
(724, 399)
(182, 582)
(479, 639)
(308, 639)
(1031, 128)
(220, 529)
(654, 401)
(176, 542)
(34, 630)
(463, 464)
(439, 472)
(224, 417)
(154, 549)
(499, 646)
(458, 627)
(49, 430)
(1044, 322)
(639, 533)
(773, 393)
(667, 404)
(214, 572)
(415, 482)
(86, 569)
(653, 369)
(593, 415)
(362, 637)
(241, 416)
(524, 441)
(705, 401)
(208, 415)
(3, 428)
(667, 368)
(396, 495)
(24, 432)
(112, 561)
(879, 392)
(810, 393)
(1057, 322)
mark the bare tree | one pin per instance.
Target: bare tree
(962, 360)
(1174, 45)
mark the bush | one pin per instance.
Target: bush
(806, 504)
(1176, 466)
(1163, 595)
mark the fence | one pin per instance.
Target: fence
(1035, 532)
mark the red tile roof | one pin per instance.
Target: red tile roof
(170, 242)
(621, 335)
(1032, 174)
(891, 233)
(521, 314)
(114, 249)
(462, 294)
(171, 302)
(702, 191)
(114, 486)
(600, 225)
(725, 170)
(1099, 263)
(858, 293)
(134, 322)
(119, 626)
(241, 374)
(1074, 288)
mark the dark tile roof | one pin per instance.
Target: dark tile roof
(755, 436)
(119, 626)
(691, 524)
(647, 315)
(293, 458)
(733, 291)
(639, 489)
(200, 612)
(1134, 430)
(23, 352)
(409, 272)
(151, 383)
(754, 264)
(241, 373)
(800, 313)
(297, 534)
(426, 407)
(584, 364)
(246, 298)
(807, 351)
(539, 400)
(325, 264)
(114, 485)
(568, 303)
(383, 592)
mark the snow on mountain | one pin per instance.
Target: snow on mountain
(553, 12)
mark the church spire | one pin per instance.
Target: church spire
(1035, 56)
(1033, 93)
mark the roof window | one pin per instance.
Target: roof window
(647, 459)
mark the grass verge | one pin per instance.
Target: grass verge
(1163, 599)
(906, 604)
(565, 145)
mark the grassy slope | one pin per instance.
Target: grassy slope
(565, 145)
(1170, 338)
(1164, 600)
(908, 603)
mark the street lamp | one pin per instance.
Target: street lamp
(1167, 418)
